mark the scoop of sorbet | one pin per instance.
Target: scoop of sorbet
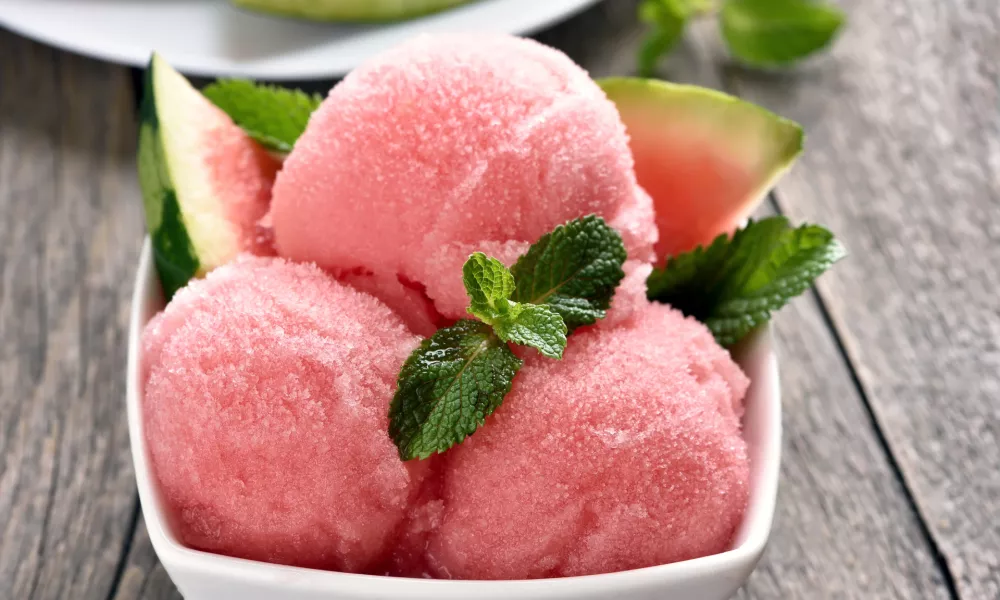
(451, 144)
(625, 454)
(265, 406)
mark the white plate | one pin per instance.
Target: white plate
(210, 38)
(204, 576)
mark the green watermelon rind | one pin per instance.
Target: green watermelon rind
(354, 11)
(777, 139)
(181, 137)
(173, 251)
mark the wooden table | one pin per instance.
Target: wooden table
(890, 368)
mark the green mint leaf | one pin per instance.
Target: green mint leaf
(574, 270)
(447, 388)
(460, 375)
(272, 115)
(667, 19)
(534, 325)
(696, 282)
(777, 32)
(490, 284)
(735, 284)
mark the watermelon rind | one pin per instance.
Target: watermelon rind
(761, 143)
(185, 219)
(359, 11)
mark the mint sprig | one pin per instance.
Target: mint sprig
(574, 270)
(447, 388)
(777, 32)
(735, 284)
(490, 285)
(273, 116)
(761, 33)
(536, 326)
(460, 375)
(667, 19)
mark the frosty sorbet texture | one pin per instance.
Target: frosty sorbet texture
(625, 454)
(453, 144)
(267, 384)
(267, 387)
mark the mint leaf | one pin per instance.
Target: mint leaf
(734, 285)
(534, 325)
(273, 116)
(460, 375)
(696, 282)
(447, 388)
(667, 18)
(490, 285)
(777, 32)
(574, 270)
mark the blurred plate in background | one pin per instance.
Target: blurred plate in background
(210, 38)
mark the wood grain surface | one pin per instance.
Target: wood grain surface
(903, 121)
(69, 221)
(143, 577)
(889, 371)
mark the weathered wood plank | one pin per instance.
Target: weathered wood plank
(845, 527)
(143, 577)
(69, 226)
(904, 164)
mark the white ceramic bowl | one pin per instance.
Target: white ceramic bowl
(204, 576)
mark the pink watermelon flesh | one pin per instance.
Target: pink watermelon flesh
(205, 182)
(706, 158)
(243, 174)
(697, 192)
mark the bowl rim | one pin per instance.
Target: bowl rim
(754, 530)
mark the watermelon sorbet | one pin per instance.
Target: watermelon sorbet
(627, 453)
(449, 145)
(265, 405)
(267, 384)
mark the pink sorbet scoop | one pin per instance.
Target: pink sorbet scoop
(450, 144)
(625, 454)
(267, 387)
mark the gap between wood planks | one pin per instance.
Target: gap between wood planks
(69, 217)
(126, 548)
(904, 164)
(939, 557)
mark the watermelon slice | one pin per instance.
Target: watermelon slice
(706, 158)
(350, 10)
(205, 183)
